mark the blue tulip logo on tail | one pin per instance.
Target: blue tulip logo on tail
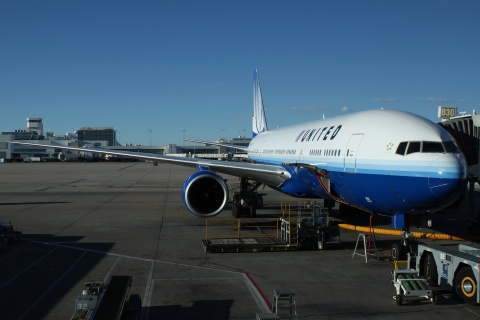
(259, 120)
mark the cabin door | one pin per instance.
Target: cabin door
(350, 159)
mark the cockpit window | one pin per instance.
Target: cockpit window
(426, 147)
(432, 147)
(402, 147)
(451, 147)
(414, 146)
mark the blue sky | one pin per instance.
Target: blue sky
(174, 65)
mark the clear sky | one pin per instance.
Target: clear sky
(170, 66)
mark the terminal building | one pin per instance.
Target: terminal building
(103, 137)
(98, 134)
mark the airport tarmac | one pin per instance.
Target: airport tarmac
(83, 221)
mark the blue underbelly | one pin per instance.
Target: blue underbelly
(387, 194)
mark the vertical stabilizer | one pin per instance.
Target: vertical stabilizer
(259, 120)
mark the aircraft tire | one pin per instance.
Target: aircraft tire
(236, 210)
(466, 285)
(252, 211)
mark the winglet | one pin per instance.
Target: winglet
(259, 120)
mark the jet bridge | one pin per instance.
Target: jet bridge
(466, 130)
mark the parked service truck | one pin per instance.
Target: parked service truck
(107, 301)
(456, 270)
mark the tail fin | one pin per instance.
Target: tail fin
(259, 120)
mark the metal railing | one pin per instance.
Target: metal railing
(241, 228)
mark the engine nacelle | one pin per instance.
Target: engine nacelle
(205, 193)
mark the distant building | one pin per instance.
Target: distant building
(24, 135)
(98, 134)
(34, 130)
(35, 125)
(103, 137)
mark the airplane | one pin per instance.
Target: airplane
(388, 162)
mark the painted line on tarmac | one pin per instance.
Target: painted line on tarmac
(24, 270)
(147, 298)
(111, 270)
(254, 289)
(257, 294)
(50, 288)
(16, 250)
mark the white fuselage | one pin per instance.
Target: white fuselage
(360, 153)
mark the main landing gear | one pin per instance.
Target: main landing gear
(247, 200)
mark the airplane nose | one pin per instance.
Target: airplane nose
(446, 176)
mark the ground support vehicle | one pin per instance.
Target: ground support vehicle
(309, 227)
(8, 232)
(313, 230)
(409, 286)
(450, 268)
(107, 301)
(87, 302)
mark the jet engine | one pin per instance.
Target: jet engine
(205, 193)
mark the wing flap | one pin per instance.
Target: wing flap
(218, 144)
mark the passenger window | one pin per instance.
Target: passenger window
(401, 148)
(435, 147)
(413, 147)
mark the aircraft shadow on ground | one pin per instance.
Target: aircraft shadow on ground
(46, 271)
(204, 309)
(69, 241)
(30, 203)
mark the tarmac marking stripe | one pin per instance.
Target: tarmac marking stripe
(257, 294)
(111, 269)
(133, 257)
(478, 315)
(147, 298)
(24, 270)
(16, 251)
(50, 288)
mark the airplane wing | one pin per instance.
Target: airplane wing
(269, 174)
(232, 146)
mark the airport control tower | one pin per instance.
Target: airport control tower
(35, 125)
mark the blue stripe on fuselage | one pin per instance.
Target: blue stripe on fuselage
(374, 187)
